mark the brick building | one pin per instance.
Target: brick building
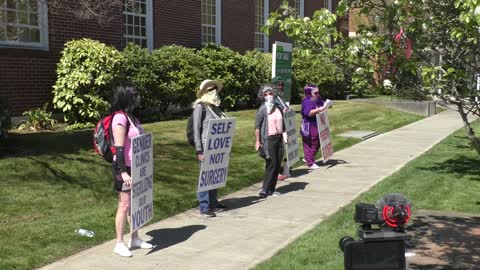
(34, 33)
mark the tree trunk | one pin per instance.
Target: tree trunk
(469, 130)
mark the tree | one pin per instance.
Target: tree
(444, 60)
(318, 39)
(445, 37)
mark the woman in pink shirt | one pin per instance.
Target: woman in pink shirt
(124, 127)
(269, 130)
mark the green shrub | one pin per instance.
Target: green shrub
(38, 119)
(5, 121)
(79, 126)
(181, 71)
(259, 71)
(228, 66)
(85, 74)
(168, 76)
(313, 68)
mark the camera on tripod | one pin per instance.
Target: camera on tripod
(381, 236)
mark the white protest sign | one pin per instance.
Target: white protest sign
(141, 195)
(216, 154)
(324, 133)
(292, 138)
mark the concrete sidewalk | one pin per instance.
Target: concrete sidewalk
(253, 230)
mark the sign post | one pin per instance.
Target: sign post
(141, 194)
(292, 138)
(324, 134)
(216, 154)
(282, 66)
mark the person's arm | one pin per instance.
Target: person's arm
(258, 126)
(119, 135)
(197, 130)
(257, 139)
(316, 111)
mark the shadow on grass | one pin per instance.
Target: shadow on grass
(164, 238)
(46, 143)
(444, 241)
(461, 164)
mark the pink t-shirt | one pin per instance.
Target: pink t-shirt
(275, 123)
(133, 131)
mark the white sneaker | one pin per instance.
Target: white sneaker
(314, 166)
(122, 250)
(304, 160)
(139, 243)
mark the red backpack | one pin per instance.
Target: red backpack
(103, 137)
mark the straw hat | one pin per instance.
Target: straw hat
(208, 84)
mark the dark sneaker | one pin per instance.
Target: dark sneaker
(262, 195)
(209, 214)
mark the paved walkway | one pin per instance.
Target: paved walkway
(252, 230)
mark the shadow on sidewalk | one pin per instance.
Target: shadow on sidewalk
(294, 186)
(164, 238)
(236, 203)
(332, 163)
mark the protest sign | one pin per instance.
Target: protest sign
(324, 134)
(292, 138)
(216, 154)
(142, 181)
(282, 66)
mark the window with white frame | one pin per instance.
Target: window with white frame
(138, 22)
(328, 5)
(23, 23)
(211, 21)
(299, 8)
(261, 13)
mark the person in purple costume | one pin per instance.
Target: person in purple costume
(312, 104)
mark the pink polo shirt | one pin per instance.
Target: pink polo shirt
(133, 131)
(275, 123)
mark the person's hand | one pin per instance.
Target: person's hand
(200, 157)
(126, 179)
(257, 146)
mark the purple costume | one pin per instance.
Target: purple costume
(311, 143)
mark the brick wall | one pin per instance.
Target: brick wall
(177, 22)
(238, 24)
(275, 35)
(27, 75)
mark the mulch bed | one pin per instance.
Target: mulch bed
(443, 240)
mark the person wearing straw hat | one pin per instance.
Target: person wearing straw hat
(204, 109)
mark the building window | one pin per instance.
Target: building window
(138, 23)
(211, 21)
(24, 24)
(261, 14)
(328, 5)
(300, 8)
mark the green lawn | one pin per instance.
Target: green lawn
(445, 178)
(53, 183)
